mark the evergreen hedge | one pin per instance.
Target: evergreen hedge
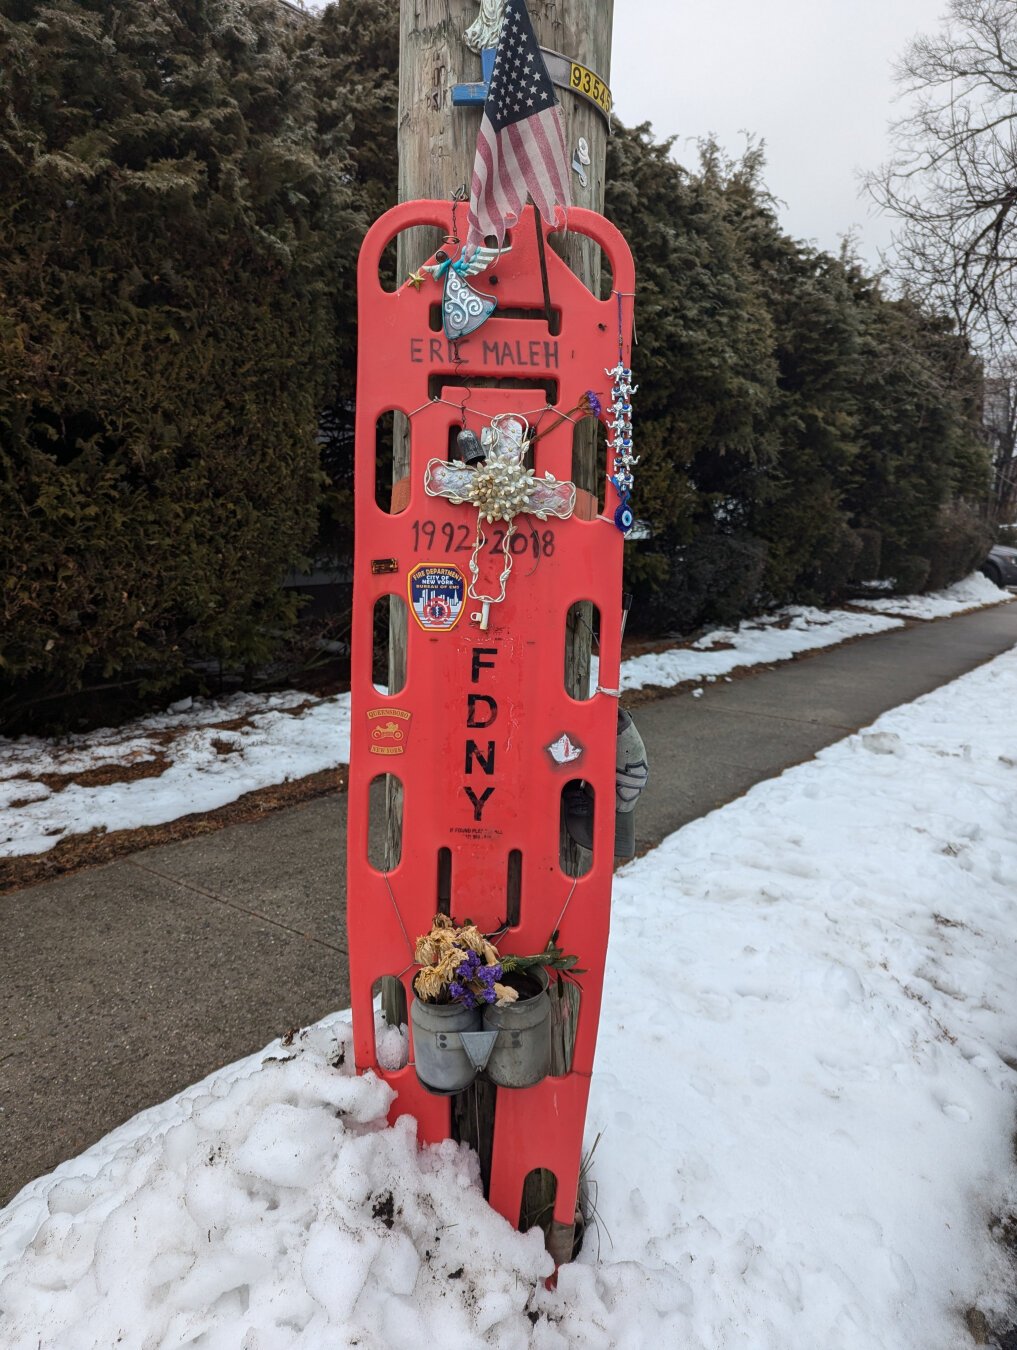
(178, 211)
(799, 431)
(184, 185)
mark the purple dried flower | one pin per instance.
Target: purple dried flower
(593, 402)
(468, 968)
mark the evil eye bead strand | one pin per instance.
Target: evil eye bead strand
(620, 443)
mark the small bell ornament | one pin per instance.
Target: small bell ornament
(469, 449)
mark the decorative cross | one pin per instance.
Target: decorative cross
(475, 95)
(500, 488)
(481, 37)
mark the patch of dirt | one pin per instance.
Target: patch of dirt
(384, 1209)
(651, 646)
(635, 646)
(299, 708)
(944, 1034)
(89, 850)
(231, 724)
(977, 1325)
(104, 774)
(246, 719)
(164, 737)
(1004, 1230)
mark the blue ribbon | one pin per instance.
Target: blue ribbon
(460, 265)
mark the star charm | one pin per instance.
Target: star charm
(416, 280)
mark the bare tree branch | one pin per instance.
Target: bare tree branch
(952, 186)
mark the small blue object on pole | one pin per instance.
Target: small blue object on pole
(475, 95)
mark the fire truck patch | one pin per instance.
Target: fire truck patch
(389, 730)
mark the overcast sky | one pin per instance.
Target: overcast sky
(810, 77)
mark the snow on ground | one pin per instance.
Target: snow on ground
(755, 642)
(827, 971)
(974, 592)
(805, 1091)
(208, 767)
(208, 764)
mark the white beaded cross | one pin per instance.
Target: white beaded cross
(501, 488)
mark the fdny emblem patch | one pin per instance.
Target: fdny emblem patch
(437, 595)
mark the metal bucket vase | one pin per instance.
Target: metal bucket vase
(439, 1055)
(522, 1052)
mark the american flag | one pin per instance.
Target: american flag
(521, 143)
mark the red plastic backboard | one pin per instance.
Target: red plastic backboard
(467, 735)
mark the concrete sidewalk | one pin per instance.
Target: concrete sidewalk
(127, 982)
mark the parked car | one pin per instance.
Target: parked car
(1001, 565)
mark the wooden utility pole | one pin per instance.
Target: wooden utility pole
(437, 144)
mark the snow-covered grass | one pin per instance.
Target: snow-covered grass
(755, 642)
(805, 1090)
(289, 735)
(797, 629)
(207, 764)
(974, 592)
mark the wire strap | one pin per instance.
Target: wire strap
(568, 901)
(409, 944)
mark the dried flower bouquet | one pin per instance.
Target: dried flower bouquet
(459, 965)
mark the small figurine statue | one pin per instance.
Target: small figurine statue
(485, 30)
